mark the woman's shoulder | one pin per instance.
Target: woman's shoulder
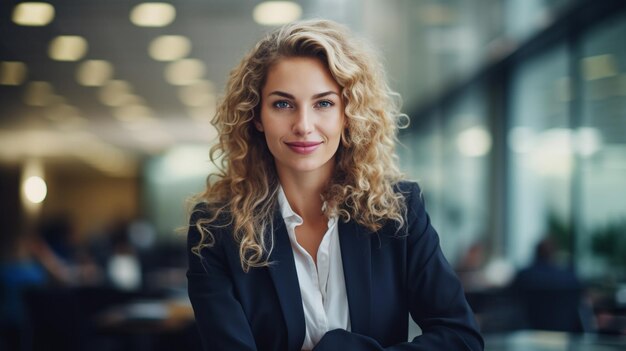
(413, 199)
(212, 214)
(408, 189)
(211, 219)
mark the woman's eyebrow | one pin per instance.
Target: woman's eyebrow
(289, 96)
(330, 92)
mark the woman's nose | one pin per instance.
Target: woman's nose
(303, 124)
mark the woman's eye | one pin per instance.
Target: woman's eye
(325, 104)
(282, 104)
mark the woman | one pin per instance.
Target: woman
(308, 238)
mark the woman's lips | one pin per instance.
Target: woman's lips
(303, 147)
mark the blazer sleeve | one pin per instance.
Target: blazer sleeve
(219, 316)
(435, 296)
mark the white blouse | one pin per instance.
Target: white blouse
(323, 288)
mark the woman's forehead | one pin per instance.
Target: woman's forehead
(302, 75)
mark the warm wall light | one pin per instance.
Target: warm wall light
(35, 189)
(94, 73)
(153, 14)
(184, 72)
(12, 73)
(169, 47)
(271, 13)
(33, 14)
(67, 48)
(598, 67)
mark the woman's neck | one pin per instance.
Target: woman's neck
(303, 191)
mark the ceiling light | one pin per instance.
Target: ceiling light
(552, 155)
(153, 14)
(12, 73)
(153, 140)
(598, 67)
(94, 73)
(67, 48)
(271, 13)
(184, 72)
(115, 93)
(474, 142)
(169, 47)
(63, 113)
(38, 94)
(202, 114)
(104, 157)
(589, 141)
(33, 14)
(197, 94)
(133, 113)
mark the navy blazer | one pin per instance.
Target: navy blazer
(389, 275)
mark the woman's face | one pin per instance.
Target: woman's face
(301, 116)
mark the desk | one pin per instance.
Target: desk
(150, 325)
(147, 317)
(553, 341)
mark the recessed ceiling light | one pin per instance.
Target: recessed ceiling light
(65, 115)
(184, 72)
(153, 14)
(12, 73)
(115, 93)
(94, 73)
(169, 47)
(153, 139)
(271, 13)
(200, 93)
(33, 14)
(133, 113)
(202, 114)
(67, 48)
(38, 93)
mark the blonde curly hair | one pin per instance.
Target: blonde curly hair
(244, 194)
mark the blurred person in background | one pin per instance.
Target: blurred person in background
(33, 261)
(20, 270)
(310, 238)
(64, 255)
(550, 294)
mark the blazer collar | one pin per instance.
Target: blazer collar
(285, 277)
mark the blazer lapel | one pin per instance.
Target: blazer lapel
(357, 269)
(283, 272)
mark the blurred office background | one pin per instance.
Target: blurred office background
(517, 136)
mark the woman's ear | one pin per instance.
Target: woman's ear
(258, 125)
